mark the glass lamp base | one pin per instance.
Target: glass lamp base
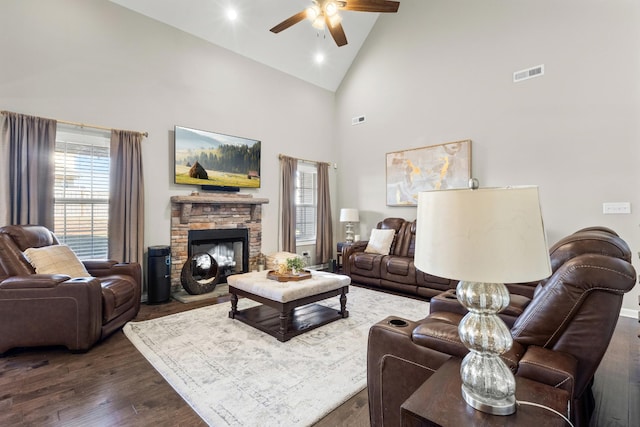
(488, 385)
(506, 406)
(349, 233)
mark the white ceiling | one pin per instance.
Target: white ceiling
(292, 51)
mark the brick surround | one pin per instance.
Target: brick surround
(212, 211)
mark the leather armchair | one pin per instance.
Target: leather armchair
(55, 309)
(559, 339)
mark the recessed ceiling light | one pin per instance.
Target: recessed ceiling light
(319, 58)
(232, 14)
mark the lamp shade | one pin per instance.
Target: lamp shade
(349, 215)
(491, 235)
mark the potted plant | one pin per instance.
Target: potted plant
(295, 265)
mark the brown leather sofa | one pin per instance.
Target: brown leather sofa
(559, 339)
(54, 309)
(396, 271)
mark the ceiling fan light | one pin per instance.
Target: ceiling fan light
(335, 20)
(318, 23)
(313, 12)
(330, 8)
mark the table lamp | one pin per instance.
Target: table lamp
(349, 216)
(484, 238)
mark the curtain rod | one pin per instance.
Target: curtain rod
(315, 162)
(83, 125)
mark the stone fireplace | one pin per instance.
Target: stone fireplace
(213, 212)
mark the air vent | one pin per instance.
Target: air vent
(529, 73)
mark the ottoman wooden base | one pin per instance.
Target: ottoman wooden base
(285, 321)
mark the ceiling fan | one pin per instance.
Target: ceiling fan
(325, 12)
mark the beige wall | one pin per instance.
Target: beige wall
(441, 70)
(94, 62)
(438, 71)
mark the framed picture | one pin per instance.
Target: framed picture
(436, 167)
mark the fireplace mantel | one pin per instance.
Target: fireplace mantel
(187, 202)
(216, 199)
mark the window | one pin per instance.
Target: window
(306, 203)
(82, 190)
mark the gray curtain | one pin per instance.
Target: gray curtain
(27, 146)
(126, 207)
(324, 228)
(288, 167)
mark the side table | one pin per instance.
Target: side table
(340, 247)
(438, 403)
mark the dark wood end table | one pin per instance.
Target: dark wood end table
(339, 247)
(438, 403)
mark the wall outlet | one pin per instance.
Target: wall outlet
(358, 120)
(616, 208)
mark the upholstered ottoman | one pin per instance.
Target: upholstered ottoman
(287, 308)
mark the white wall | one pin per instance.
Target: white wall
(94, 62)
(441, 70)
(438, 71)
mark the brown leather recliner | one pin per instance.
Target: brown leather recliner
(43, 310)
(590, 240)
(559, 339)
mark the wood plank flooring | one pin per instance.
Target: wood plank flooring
(616, 386)
(113, 385)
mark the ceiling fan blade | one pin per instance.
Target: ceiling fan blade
(384, 6)
(337, 32)
(289, 22)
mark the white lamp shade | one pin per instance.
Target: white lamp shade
(493, 235)
(349, 215)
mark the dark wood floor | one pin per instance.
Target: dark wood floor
(113, 385)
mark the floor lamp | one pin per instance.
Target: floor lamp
(484, 238)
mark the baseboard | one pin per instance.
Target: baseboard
(627, 312)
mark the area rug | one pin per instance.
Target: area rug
(234, 375)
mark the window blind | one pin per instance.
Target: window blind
(306, 202)
(82, 190)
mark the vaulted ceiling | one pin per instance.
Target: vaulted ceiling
(294, 51)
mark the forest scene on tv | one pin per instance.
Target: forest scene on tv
(209, 158)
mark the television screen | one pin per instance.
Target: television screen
(216, 160)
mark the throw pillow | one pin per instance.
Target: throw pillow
(56, 259)
(278, 258)
(380, 241)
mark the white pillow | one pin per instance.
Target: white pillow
(56, 259)
(380, 241)
(278, 258)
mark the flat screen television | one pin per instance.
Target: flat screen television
(216, 161)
